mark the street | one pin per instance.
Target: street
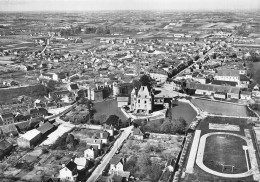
(98, 171)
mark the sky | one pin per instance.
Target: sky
(86, 5)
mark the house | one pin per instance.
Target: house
(227, 75)
(244, 81)
(65, 96)
(91, 152)
(207, 89)
(73, 87)
(29, 139)
(5, 148)
(122, 100)
(81, 163)
(95, 94)
(220, 95)
(20, 118)
(95, 142)
(7, 118)
(245, 95)
(38, 112)
(100, 135)
(109, 129)
(116, 164)
(137, 134)
(49, 76)
(141, 101)
(69, 172)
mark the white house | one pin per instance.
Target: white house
(141, 102)
(91, 152)
(81, 162)
(137, 134)
(49, 76)
(116, 165)
(69, 172)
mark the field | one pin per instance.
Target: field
(106, 108)
(225, 149)
(185, 111)
(220, 108)
(147, 159)
(32, 91)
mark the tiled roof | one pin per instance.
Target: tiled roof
(137, 131)
(4, 144)
(215, 88)
(45, 127)
(71, 165)
(221, 82)
(115, 160)
(228, 72)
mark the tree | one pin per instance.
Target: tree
(155, 171)
(113, 120)
(70, 139)
(136, 84)
(51, 85)
(167, 126)
(145, 80)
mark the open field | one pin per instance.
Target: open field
(7, 94)
(220, 108)
(183, 110)
(225, 149)
(108, 107)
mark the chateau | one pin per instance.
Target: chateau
(141, 100)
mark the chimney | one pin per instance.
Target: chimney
(101, 135)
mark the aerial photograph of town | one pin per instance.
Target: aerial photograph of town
(129, 91)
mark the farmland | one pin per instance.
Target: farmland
(7, 94)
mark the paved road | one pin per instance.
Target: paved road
(199, 60)
(98, 171)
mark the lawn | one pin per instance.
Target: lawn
(183, 110)
(220, 108)
(107, 108)
(225, 149)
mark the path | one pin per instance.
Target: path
(99, 169)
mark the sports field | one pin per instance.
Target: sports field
(227, 150)
(220, 108)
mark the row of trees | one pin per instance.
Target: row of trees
(167, 126)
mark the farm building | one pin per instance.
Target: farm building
(29, 139)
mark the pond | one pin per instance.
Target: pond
(183, 110)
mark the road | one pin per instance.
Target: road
(60, 111)
(98, 171)
(199, 60)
